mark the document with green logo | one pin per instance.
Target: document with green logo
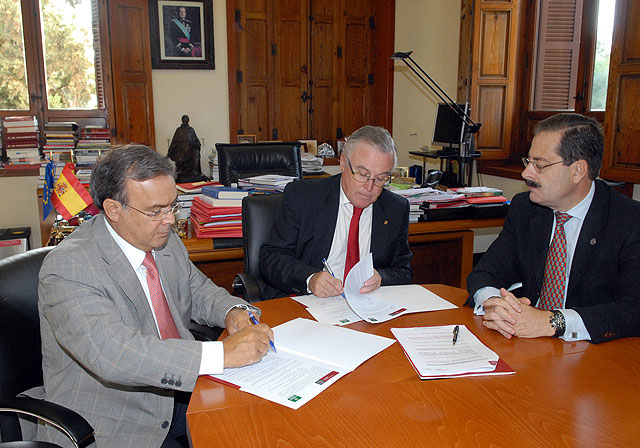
(311, 357)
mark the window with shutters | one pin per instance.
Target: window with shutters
(51, 63)
(572, 49)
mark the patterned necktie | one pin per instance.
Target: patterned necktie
(555, 270)
(166, 324)
(353, 246)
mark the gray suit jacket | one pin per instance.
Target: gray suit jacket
(102, 355)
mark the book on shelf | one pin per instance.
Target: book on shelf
(19, 122)
(222, 192)
(18, 136)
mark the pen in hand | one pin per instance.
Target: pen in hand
(255, 322)
(456, 329)
(326, 266)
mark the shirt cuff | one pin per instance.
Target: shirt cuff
(575, 329)
(308, 280)
(481, 295)
(212, 362)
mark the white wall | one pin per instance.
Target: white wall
(431, 29)
(203, 95)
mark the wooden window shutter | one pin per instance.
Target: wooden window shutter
(557, 54)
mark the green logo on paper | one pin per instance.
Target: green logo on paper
(294, 398)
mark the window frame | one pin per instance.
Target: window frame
(525, 72)
(36, 76)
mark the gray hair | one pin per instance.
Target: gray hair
(133, 161)
(377, 137)
(582, 139)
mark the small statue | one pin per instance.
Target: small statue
(185, 152)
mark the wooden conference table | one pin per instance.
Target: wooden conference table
(563, 394)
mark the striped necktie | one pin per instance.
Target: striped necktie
(166, 324)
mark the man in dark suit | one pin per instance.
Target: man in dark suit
(319, 220)
(572, 241)
(115, 301)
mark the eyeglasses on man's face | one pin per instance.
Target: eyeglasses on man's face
(378, 181)
(161, 214)
(536, 166)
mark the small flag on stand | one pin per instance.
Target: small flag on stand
(69, 195)
(48, 189)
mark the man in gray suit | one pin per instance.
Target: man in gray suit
(115, 299)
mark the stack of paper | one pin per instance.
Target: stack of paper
(311, 357)
(268, 182)
(433, 354)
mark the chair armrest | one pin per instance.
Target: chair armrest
(204, 332)
(249, 285)
(69, 422)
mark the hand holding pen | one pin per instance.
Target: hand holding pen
(326, 266)
(255, 322)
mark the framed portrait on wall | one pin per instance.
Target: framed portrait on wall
(181, 34)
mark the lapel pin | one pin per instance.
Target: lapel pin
(386, 222)
(592, 241)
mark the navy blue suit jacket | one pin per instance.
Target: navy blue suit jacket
(604, 282)
(303, 233)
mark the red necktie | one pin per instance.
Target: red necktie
(555, 271)
(166, 324)
(353, 246)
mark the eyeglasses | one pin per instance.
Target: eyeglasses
(378, 181)
(536, 166)
(161, 214)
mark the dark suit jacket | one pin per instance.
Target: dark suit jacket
(303, 233)
(604, 282)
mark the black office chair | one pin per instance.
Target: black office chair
(21, 356)
(254, 159)
(259, 213)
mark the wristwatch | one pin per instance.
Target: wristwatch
(558, 323)
(251, 308)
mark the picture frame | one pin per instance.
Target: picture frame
(310, 145)
(245, 138)
(181, 34)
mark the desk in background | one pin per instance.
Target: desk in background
(442, 253)
(563, 394)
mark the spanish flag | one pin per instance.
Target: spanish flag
(69, 196)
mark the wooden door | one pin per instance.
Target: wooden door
(131, 70)
(622, 121)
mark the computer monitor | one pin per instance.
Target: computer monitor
(449, 129)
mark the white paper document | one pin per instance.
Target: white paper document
(387, 302)
(433, 354)
(311, 356)
(328, 310)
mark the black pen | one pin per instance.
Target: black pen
(456, 329)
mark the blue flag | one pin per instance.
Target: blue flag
(48, 189)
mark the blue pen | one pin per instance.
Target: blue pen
(255, 322)
(326, 266)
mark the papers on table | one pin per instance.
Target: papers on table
(432, 353)
(311, 356)
(381, 305)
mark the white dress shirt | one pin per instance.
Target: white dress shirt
(212, 361)
(575, 328)
(338, 254)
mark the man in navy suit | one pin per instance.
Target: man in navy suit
(317, 222)
(581, 279)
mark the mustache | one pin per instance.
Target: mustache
(530, 183)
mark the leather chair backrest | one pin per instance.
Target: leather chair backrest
(254, 159)
(259, 213)
(20, 348)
